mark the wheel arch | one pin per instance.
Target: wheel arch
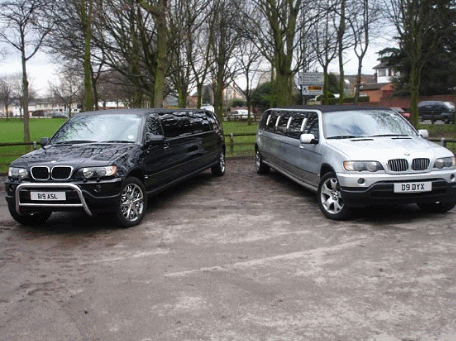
(325, 168)
(136, 173)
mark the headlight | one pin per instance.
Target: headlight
(360, 166)
(445, 162)
(17, 172)
(98, 172)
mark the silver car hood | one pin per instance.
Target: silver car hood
(386, 148)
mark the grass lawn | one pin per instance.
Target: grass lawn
(247, 142)
(12, 130)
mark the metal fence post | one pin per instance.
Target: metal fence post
(231, 143)
(443, 141)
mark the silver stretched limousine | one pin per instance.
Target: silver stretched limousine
(356, 156)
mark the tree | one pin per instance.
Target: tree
(23, 26)
(419, 30)
(261, 96)
(249, 61)
(361, 17)
(282, 36)
(186, 18)
(72, 42)
(325, 42)
(158, 9)
(68, 90)
(7, 93)
(224, 40)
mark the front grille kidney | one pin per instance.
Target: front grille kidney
(40, 173)
(398, 165)
(420, 164)
(61, 172)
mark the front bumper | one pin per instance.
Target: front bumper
(382, 193)
(88, 196)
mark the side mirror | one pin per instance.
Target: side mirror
(44, 141)
(423, 133)
(152, 140)
(308, 139)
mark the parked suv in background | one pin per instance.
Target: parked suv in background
(436, 110)
(110, 161)
(354, 157)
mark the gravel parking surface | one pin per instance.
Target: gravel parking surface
(240, 257)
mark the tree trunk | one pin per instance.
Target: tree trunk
(25, 96)
(162, 50)
(88, 102)
(415, 75)
(340, 38)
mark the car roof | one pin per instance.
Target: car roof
(330, 108)
(136, 111)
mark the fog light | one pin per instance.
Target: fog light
(361, 181)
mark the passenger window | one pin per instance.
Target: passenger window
(264, 119)
(153, 126)
(176, 124)
(312, 126)
(282, 124)
(296, 126)
(271, 122)
(199, 122)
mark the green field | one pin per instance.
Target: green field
(12, 131)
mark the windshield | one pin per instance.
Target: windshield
(368, 123)
(103, 128)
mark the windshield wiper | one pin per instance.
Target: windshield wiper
(75, 142)
(117, 141)
(340, 137)
(391, 135)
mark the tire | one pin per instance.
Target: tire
(435, 207)
(330, 199)
(29, 219)
(260, 166)
(132, 204)
(220, 168)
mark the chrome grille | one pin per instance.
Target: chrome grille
(40, 172)
(420, 164)
(61, 172)
(398, 165)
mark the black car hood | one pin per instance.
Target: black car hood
(76, 155)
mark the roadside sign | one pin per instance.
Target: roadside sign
(312, 90)
(311, 78)
(311, 83)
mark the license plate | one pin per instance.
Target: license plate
(48, 196)
(412, 187)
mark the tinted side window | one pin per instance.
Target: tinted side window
(153, 126)
(176, 124)
(199, 122)
(282, 124)
(312, 126)
(264, 118)
(271, 121)
(297, 124)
